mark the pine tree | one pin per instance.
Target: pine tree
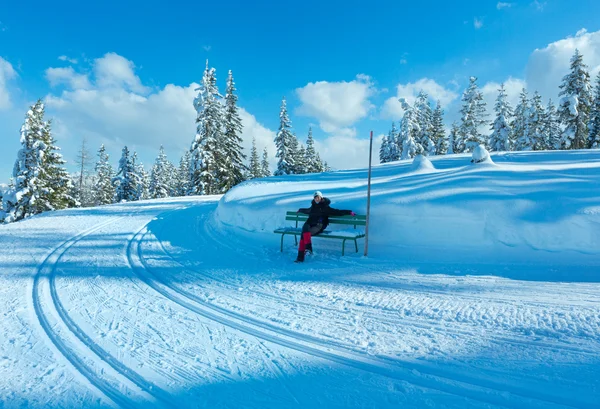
(520, 130)
(182, 183)
(312, 166)
(394, 146)
(425, 120)
(84, 197)
(233, 152)
(552, 127)
(501, 130)
(473, 116)
(438, 134)
(40, 181)
(104, 192)
(384, 150)
(142, 179)
(264, 166)
(254, 170)
(594, 124)
(454, 143)
(301, 163)
(575, 104)
(204, 163)
(536, 124)
(125, 181)
(284, 143)
(160, 183)
(409, 130)
(295, 156)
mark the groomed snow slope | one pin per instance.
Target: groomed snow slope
(481, 289)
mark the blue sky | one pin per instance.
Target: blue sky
(123, 72)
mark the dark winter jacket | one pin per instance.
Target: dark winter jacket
(319, 213)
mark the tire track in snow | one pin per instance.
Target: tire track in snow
(71, 342)
(430, 377)
(424, 322)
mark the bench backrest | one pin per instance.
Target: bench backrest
(358, 220)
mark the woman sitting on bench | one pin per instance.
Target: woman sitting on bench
(318, 219)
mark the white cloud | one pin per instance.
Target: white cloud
(206, 47)
(68, 76)
(502, 5)
(347, 152)
(477, 23)
(546, 67)
(67, 59)
(539, 5)
(7, 73)
(115, 71)
(337, 105)
(393, 110)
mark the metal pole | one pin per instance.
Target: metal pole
(368, 197)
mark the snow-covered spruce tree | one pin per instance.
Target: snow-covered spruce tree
(320, 164)
(425, 121)
(254, 170)
(84, 196)
(384, 149)
(453, 140)
(142, 179)
(234, 169)
(301, 163)
(40, 181)
(264, 165)
(160, 175)
(473, 116)
(501, 130)
(312, 166)
(536, 124)
(297, 156)
(521, 139)
(284, 142)
(438, 134)
(552, 128)
(104, 191)
(126, 179)
(409, 130)
(204, 162)
(575, 104)
(182, 182)
(394, 147)
(594, 124)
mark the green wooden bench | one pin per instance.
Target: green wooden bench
(344, 235)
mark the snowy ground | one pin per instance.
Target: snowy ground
(481, 289)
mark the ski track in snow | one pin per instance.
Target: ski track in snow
(462, 385)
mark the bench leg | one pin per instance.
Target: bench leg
(281, 249)
(356, 245)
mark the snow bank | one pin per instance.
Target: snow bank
(528, 207)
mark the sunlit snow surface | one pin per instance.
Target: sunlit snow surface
(480, 289)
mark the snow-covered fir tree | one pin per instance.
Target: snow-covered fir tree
(82, 191)
(424, 115)
(438, 133)
(182, 184)
(575, 104)
(233, 155)
(160, 175)
(40, 181)
(126, 179)
(501, 130)
(104, 191)
(204, 161)
(521, 139)
(264, 165)
(384, 150)
(454, 143)
(312, 166)
(296, 155)
(594, 124)
(254, 170)
(552, 129)
(536, 123)
(394, 145)
(284, 142)
(301, 163)
(409, 131)
(473, 116)
(142, 178)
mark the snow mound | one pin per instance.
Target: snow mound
(481, 155)
(421, 163)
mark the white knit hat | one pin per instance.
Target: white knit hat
(317, 193)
